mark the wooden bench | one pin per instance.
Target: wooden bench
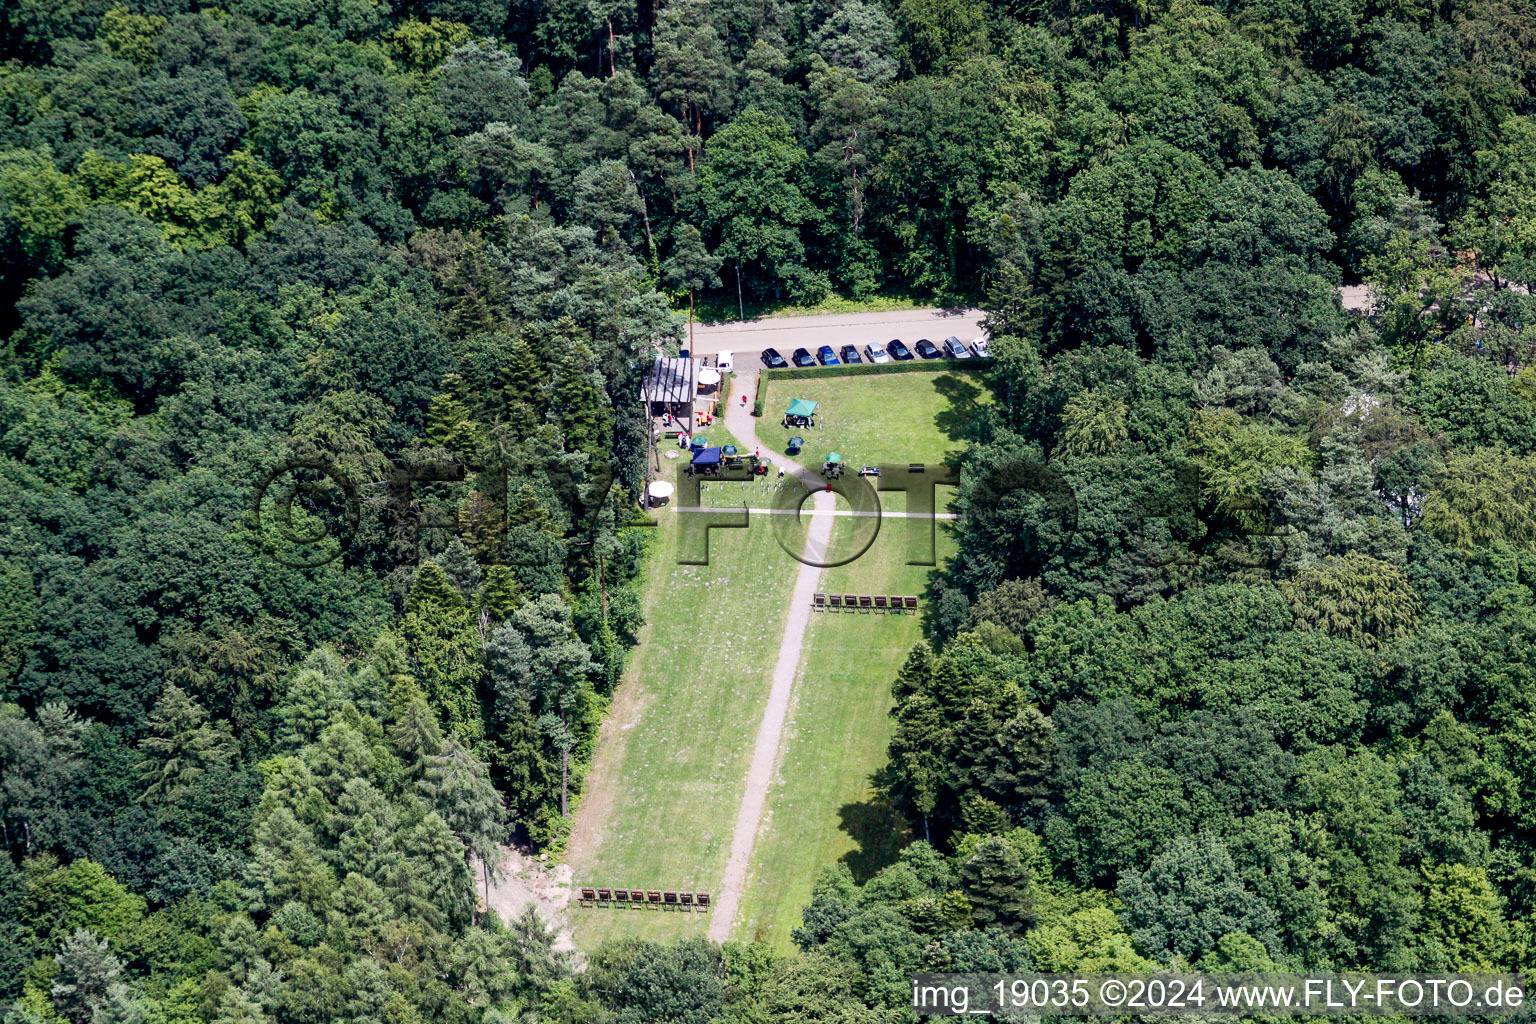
(621, 896)
(850, 600)
(819, 601)
(896, 602)
(880, 602)
(686, 898)
(669, 900)
(703, 901)
(605, 895)
(865, 602)
(910, 602)
(835, 600)
(653, 897)
(588, 897)
(637, 897)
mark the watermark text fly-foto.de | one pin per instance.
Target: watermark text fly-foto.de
(1175, 994)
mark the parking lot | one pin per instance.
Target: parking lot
(747, 339)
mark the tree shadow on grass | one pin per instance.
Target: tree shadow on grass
(963, 396)
(880, 832)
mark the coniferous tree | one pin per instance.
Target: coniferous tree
(88, 974)
(181, 748)
(997, 883)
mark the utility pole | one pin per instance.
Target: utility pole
(740, 308)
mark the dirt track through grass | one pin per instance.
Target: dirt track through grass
(770, 732)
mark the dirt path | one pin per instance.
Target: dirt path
(526, 882)
(765, 749)
(602, 783)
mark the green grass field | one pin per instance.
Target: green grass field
(698, 683)
(675, 753)
(898, 417)
(821, 808)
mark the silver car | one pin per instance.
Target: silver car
(877, 353)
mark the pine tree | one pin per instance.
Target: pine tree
(529, 512)
(414, 734)
(482, 526)
(306, 709)
(560, 676)
(522, 381)
(525, 772)
(691, 267)
(1093, 423)
(432, 592)
(461, 568)
(475, 296)
(87, 973)
(235, 1007)
(501, 595)
(455, 785)
(439, 861)
(448, 422)
(286, 864)
(997, 882)
(390, 662)
(180, 747)
(579, 405)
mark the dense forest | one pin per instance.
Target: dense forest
(1251, 683)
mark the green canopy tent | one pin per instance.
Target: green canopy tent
(833, 458)
(802, 407)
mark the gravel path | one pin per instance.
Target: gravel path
(765, 750)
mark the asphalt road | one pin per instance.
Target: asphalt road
(748, 338)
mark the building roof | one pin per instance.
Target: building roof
(670, 380)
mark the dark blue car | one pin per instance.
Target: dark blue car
(827, 356)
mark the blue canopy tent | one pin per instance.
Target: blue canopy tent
(707, 457)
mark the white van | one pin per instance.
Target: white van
(725, 362)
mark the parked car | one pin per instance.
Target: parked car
(954, 348)
(802, 358)
(725, 362)
(773, 360)
(827, 356)
(877, 353)
(979, 346)
(851, 354)
(927, 349)
(898, 350)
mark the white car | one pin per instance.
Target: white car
(979, 346)
(725, 362)
(877, 353)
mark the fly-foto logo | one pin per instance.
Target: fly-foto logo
(307, 512)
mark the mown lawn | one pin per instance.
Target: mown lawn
(697, 685)
(821, 808)
(870, 418)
